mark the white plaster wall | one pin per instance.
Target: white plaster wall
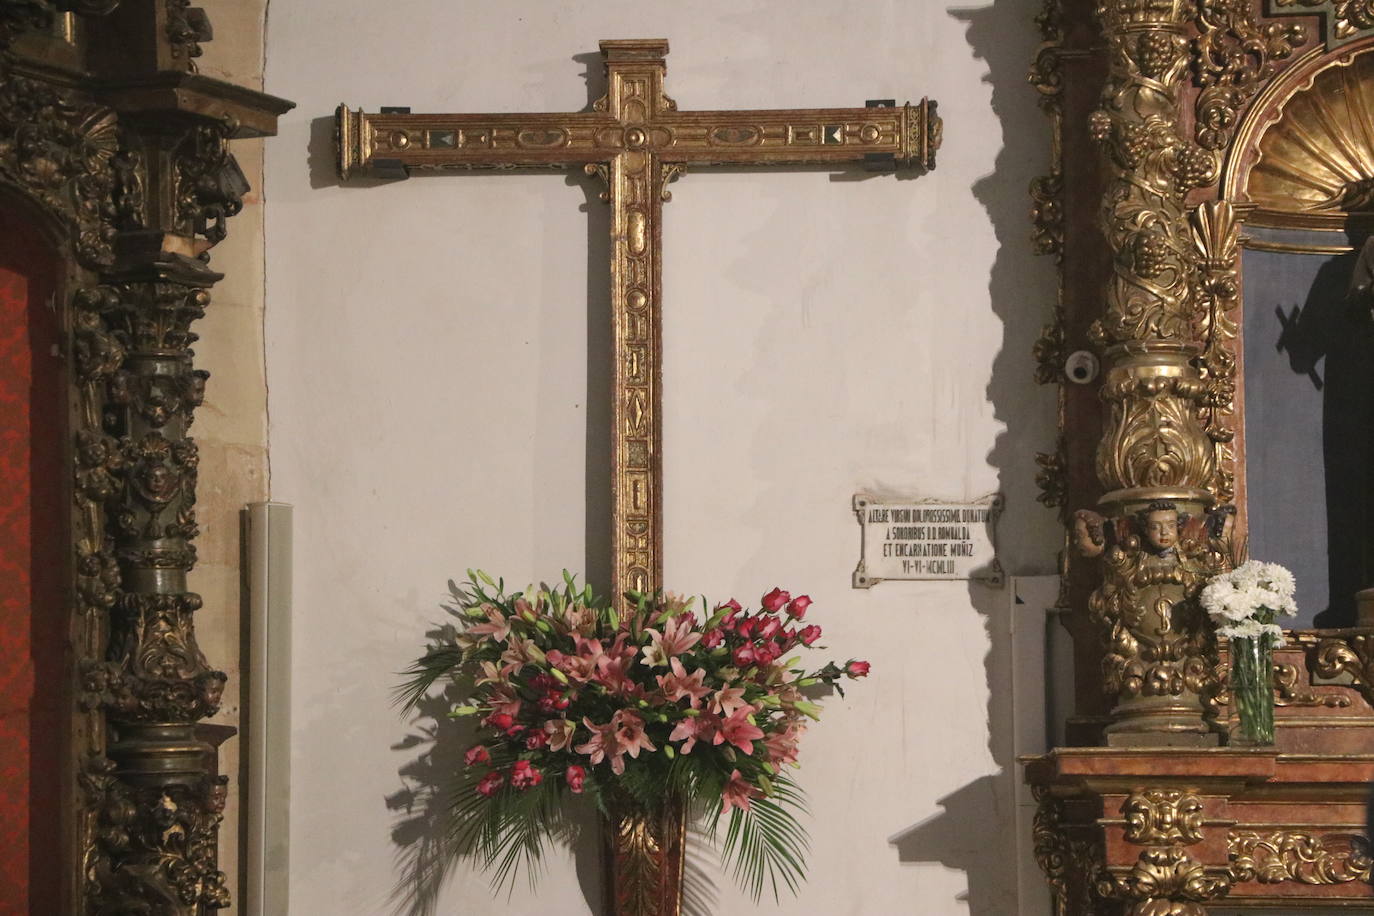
(430, 390)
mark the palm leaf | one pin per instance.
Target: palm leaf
(767, 844)
(438, 662)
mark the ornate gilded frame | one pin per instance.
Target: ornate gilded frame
(119, 149)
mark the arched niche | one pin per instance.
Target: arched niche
(1302, 175)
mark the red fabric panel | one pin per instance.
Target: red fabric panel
(32, 562)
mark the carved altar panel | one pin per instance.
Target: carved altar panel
(1230, 135)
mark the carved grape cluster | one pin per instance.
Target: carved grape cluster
(1156, 53)
(1194, 167)
(1149, 254)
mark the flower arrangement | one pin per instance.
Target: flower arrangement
(634, 708)
(1244, 604)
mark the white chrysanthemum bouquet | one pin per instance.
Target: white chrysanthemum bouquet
(1245, 601)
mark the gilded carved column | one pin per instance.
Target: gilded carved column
(1159, 535)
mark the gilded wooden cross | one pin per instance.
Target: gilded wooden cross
(637, 141)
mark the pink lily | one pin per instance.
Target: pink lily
(737, 793)
(498, 628)
(629, 735)
(694, 729)
(603, 745)
(738, 730)
(679, 684)
(677, 637)
(727, 700)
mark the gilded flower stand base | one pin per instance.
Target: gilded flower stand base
(644, 861)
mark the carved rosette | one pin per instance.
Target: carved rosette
(1047, 191)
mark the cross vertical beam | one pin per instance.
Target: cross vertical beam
(637, 141)
(635, 71)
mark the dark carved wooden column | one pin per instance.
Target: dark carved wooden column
(108, 130)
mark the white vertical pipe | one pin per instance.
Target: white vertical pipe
(1032, 599)
(267, 722)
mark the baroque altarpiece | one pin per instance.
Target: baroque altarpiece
(1209, 208)
(117, 178)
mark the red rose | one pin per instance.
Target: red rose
(744, 656)
(500, 721)
(774, 600)
(475, 755)
(856, 669)
(767, 653)
(535, 740)
(810, 634)
(524, 775)
(732, 604)
(746, 626)
(574, 777)
(770, 628)
(796, 608)
(490, 784)
(713, 638)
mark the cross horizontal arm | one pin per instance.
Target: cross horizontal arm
(492, 141)
(909, 136)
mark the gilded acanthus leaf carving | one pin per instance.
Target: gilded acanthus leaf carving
(1163, 817)
(1232, 55)
(1166, 881)
(1154, 437)
(1284, 855)
(1288, 691)
(1050, 478)
(1347, 16)
(1216, 236)
(1350, 656)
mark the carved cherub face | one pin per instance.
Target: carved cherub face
(1161, 529)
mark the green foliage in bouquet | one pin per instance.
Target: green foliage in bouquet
(573, 698)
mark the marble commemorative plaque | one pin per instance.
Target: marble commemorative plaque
(927, 539)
